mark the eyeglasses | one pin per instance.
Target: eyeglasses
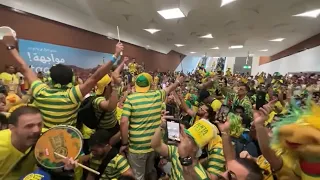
(231, 176)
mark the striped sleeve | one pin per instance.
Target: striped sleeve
(96, 103)
(127, 108)
(36, 87)
(75, 94)
(216, 161)
(122, 164)
(172, 151)
(162, 95)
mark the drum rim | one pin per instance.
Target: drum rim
(57, 127)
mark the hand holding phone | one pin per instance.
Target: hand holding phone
(173, 129)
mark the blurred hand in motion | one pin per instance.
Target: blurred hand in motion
(9, 40)
(260, 116)
(70, 164)
(119, 48)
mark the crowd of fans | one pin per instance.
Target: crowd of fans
(132, 107)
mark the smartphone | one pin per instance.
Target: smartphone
(222, 115)
(261, 99)
(173, 130)
(171, 109)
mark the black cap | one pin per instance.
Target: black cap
(203, 95)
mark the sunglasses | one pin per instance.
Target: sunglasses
(231, 176)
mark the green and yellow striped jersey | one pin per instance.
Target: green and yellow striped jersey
(144, 113)
(58, 106)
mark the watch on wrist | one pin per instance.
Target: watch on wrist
(11, 47)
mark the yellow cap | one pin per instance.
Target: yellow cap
(143, 82)
(202, 132)
(105, 81)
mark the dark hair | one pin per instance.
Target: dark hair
(15, 115)
(211, 113)
(61, 74)
(126, 178)
(3, 119)
(100, 137)
(246, 86)
(255, 172)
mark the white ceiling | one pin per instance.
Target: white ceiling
(245, 22)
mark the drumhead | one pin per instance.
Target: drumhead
(65, 140)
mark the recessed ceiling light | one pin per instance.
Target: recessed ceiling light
(264, 50)
(209, 36)
(236, 47)
(193, 52)
(152, 31)
(216, 57)
(225, 2)
(171, 13)
(277, 40)
(251, 55)
(215, 48)
(179, 45)
(313, 14)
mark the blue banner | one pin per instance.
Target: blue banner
(42, 56)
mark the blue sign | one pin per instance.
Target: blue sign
(42, 56)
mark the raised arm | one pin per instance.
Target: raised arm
(228, 149)
(10, 43)
(174, 86)
(263, 138)
(156, 141)
(91, 82)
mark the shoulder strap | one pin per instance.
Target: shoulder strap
(112, 153)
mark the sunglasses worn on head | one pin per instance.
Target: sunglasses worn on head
(231, 176)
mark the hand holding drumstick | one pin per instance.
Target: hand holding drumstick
(70, 164)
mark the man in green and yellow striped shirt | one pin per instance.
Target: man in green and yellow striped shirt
(140, 118)
(99, 150)
(58, 103)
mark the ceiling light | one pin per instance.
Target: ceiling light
(225, 2)
(277, 40)
(171, 13)
(312, 14)
(152, 31)
(179, 45)
(215, 48)
(216, 57)
(264, 50)
(193, 52)
(209, 36)
(236, 47)
(251, 55)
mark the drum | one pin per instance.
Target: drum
(64, 140)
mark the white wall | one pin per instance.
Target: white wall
(304, 61)
(255, 66)
(230, 63)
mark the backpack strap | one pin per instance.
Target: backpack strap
(111, 154)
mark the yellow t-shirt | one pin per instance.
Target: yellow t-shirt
(119, 114)
(264, 164)
(10, 169)
(10, 80)
(132, 68)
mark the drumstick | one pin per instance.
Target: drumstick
(81, 165)
(121, 53)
